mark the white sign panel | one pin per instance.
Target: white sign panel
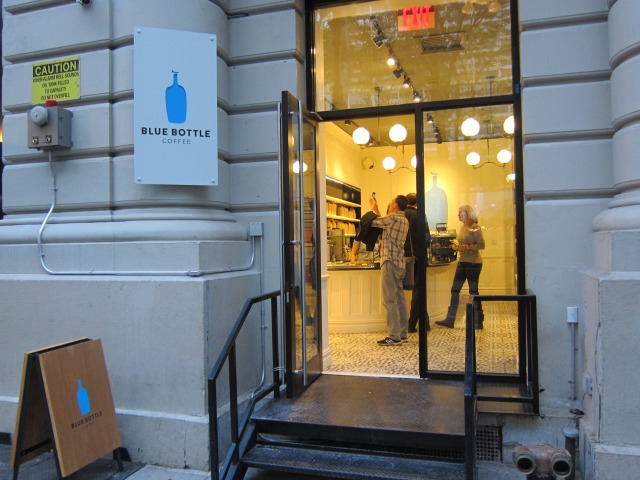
(175, 107)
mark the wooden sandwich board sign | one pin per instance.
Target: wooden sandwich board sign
(66, 405)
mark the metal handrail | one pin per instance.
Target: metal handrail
(470, 397)
(238, 426)
(527, 371)
(527, 344)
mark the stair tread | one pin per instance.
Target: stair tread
(350, 465)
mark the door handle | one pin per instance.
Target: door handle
(294, 242)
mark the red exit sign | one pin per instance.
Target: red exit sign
(416, 18)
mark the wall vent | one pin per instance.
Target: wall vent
(489, 443)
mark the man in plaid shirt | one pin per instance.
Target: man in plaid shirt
(394, 233)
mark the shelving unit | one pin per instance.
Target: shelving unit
(343, 215)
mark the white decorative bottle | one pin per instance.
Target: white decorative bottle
(436, 205)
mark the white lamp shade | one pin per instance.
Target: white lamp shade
(473, 158)
(397, 133)
(504, 156)
(509, 125)
(389, 163)
(361, 136)
(296, 167)
(414, 162)
(470, 127)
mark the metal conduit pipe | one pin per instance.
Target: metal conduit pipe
(542, 461)
(570, 439)
(190, 273)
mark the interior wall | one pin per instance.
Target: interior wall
(485, 188)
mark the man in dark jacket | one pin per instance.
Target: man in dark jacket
(410, 246)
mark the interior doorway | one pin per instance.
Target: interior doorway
(440, 174)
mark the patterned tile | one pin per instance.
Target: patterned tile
(497, 347)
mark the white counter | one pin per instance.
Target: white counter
(355, 298)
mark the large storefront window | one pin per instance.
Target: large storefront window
(442, 50)
(474, 175)
(452, 94)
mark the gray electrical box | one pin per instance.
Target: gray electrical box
(49, 127)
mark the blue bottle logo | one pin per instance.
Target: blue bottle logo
(83, 399)
(175, 98)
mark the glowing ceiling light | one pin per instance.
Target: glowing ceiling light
(414, 161)
(509, 125)
(389, 163)
(361, 136)
(504, 156)
(470, 127)
(473, 158)
(296, 167)
(397, 133)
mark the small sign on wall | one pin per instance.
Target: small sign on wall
(175, 107)
(55, 80)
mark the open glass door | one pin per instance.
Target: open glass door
(303, 350)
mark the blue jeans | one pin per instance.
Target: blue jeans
(393, 300)
(465, 271)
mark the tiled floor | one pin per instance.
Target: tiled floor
(358, 353)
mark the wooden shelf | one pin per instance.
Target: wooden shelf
(346, 219)
(342, 202)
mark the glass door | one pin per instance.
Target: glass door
(303, 350)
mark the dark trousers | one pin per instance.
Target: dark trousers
(415, 297)
(469, 272)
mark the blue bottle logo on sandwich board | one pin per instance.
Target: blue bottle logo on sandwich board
(176, 101)
(82, 396)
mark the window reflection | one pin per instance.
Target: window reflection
(410, 54)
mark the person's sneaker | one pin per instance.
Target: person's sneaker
(389, 342)
(405, 339)
(412, 330)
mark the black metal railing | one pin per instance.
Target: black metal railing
(527, 367)
(470, 398)
(238, 425)
(527, 349)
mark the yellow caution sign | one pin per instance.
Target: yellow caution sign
(56, 80)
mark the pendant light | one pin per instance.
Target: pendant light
(389, 163)
(397, 133)
(296, 167)
(504, 156)
(509, 125)
(473, 158)
(361, 136)
(470, 127)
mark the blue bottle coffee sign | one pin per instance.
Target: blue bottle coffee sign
(82, 396)
(175, 98)
(175, 107)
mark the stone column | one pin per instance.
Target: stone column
(611, 447)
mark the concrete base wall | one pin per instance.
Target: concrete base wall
(161, 337)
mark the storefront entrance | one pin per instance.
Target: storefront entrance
(443, 182)
(420, 100)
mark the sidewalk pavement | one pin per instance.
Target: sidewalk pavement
(43, 468)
